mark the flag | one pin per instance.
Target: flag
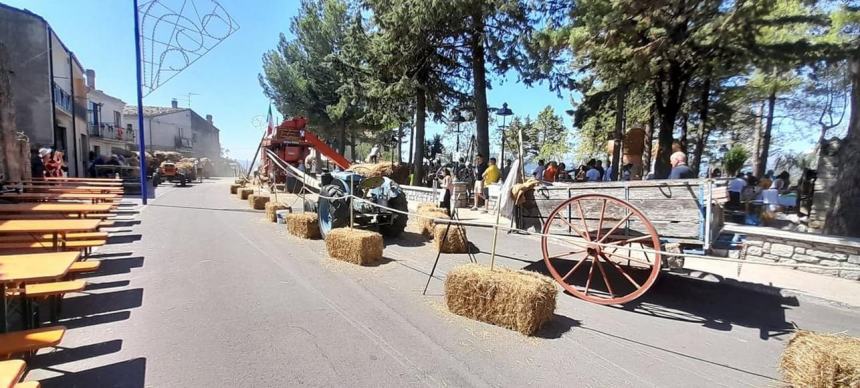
(270, 130)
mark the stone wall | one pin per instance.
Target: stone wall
(417, 194)
(797, 250)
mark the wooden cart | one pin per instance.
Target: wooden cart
(605, 239)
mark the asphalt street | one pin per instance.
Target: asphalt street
(201, 291)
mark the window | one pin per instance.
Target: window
(117, 119)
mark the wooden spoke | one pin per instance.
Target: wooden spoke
(590, 274)
(623, 273)
(616, 226)
(574, 268)
(560, 255)
(605, 278)
(575, 229)
(629, 240)
(582, 217)
(613, 254)
(600, 225)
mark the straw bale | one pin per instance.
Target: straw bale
(396, 171)
(519, 300)
(455, 242)
(821, 360)
(356, 246)
(258, 201)
(425, 221)
(271, 208)
(304, 225)
(427, 205)
(234, 188)
(243, 193)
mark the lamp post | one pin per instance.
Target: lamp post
(504, 112)
(458, 118)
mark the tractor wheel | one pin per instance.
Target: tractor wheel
(182, 180)
(398, 224)
(333, 213)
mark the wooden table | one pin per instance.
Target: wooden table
(56, 228)
(79, 181)
(72, 189)
(32, 267)
(55, 208)
(94, 197)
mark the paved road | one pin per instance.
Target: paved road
(204, 292)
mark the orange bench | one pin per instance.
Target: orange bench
(49, 238)
(26, 341)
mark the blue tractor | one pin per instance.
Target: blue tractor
(333, 205)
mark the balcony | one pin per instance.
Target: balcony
(183, 142)
(62, 99)
(111, 132)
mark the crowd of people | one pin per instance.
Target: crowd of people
(748, 187)
(591, 171)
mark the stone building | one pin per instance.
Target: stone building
(108, 132)
(176, 129)
(48, 87)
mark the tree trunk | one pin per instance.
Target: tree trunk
(649, 143)
(352, 145)
(341, 139)
(843, 218)
(766, 136)
(400, 143)
(618, 133)
(479, 76)
(757, 130)
(668, 104)
(682, 138)
(420, 118)
(702, 138)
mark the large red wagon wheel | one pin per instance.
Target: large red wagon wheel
(585, 265)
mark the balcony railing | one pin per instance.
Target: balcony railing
(62, 99)
(110, 131)
(183, 142)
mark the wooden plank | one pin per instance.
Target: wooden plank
(654, 210)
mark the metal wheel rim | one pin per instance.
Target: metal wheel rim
(603, 262)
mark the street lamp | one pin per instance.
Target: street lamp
(458, 119)
(504, 112)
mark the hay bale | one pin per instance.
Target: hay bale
(821, 360)
(234, 188)
(258, 201)
(455, 242)
(304, 225)
(271, 208)
(426, 223)
(244, 193)
(395, 171)
(518, 300)
(356, 246)
(423, 206)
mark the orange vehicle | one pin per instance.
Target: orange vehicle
(292, 142)
(168, 171)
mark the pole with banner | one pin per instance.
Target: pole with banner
(141, 146)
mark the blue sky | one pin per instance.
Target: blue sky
(101, 34)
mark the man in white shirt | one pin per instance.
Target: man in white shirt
(538, 171)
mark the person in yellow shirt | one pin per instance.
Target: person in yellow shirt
(490, 176)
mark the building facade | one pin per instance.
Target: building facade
(108, 132)
(48, 86)
(176, 129)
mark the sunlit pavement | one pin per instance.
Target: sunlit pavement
(201, 291)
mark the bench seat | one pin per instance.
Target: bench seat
(11, 372)
(48, 237)
(84, 266)
(29, 340)
(69, 245)
(41, 290)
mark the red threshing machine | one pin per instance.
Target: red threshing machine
(292, 142)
